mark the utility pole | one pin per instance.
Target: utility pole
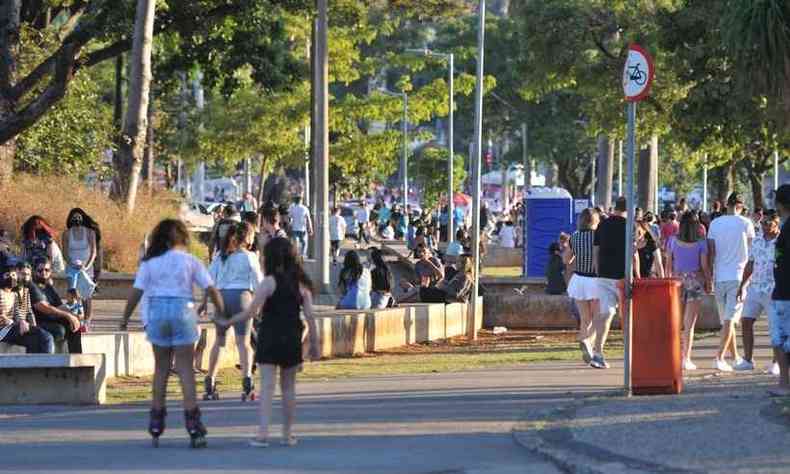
(321, 149)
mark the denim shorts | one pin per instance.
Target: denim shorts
(234, 305)
(779, 324)
(171, 321)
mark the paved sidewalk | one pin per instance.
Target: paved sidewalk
(720, 423)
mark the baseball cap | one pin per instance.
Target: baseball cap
(735, 198)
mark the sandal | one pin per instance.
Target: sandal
(259, 443)
(289, 441)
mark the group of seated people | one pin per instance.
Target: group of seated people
(436, 281)
(32, 314)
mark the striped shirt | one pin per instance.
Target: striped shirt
(582, 246)
(8, 311)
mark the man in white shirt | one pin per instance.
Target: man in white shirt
(337, 232)
(729, 238)
(301, 225)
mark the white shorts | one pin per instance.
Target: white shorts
(727, 301)
(608, 296)
(755, 304)
(583, 288)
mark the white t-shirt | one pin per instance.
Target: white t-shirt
(337, 228)
(299, 215)
(507, 236)
(240, 271)
(172, 274)
(732, 236)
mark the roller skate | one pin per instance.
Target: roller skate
(248, 388)
(211, 389)
(197, 432)
(156, 426)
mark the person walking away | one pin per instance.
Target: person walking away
(354, 283)
(609, 255)
(337, 232)
(39, 243)
(363, 218)
(650, 262)
(385, 215)
(301, 224)
(729, 240)
(18, 327)
(583, 286)
(285, 291)
(165, 278)
(687, 259)
(51, 313)
(381, 279)
(759, 276)
(669, 228)
(779, 316)
(236, 273)
(79, 244)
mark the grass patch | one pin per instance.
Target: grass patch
(513, 348)
(502, 272)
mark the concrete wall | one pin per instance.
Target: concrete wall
(53, 378)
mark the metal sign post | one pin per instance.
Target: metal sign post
(637, 78)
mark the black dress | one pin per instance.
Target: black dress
(280, 331)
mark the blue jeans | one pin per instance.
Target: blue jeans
(779, 324)
(300, 237)
(35, 341)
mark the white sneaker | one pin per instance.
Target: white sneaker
(743, 365)
(721, 365)
(688, 365)
(773, 368)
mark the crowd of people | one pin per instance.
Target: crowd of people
(742, 261)
(33, 313)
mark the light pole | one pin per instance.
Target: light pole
(404, 158)
(450, 139)
(471, 329)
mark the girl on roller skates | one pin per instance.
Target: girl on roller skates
(165, 278)
(284, 292)
(236, 273)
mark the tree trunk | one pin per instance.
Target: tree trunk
(9, 54)
(262, 178)
(724, 182)
(604, 170)
(648, 176)
(149, 158)
(136, 120)
(551, 175)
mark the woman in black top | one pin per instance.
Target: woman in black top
(381, 292)
(284, 292)
(650, 264)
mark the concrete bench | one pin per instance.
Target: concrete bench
(78, 379)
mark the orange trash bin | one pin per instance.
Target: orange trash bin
(656, 366)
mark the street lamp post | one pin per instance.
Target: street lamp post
(404, 157)
(450, 139)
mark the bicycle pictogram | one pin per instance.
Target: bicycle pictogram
(636, 75)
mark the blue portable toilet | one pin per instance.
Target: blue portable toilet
(549, 212)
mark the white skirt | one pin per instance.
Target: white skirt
(583, 288)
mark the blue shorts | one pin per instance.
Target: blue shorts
(779, 324)
(233, 306)
(171, 321)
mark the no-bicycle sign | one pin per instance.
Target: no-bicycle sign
(637, 74)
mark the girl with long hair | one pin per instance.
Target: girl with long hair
(285, 291)
(381, 277)
(354, 283)
(81, 250)
(583, 287)
(687, 259)
(165, 277)
(39, 243)
(236, 273)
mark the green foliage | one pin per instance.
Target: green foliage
(429, 168)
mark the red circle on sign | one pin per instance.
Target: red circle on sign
(650, 72)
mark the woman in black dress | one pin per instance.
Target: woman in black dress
(283, 293)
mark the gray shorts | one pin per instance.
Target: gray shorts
(608, 297)
(729, 307)
(235, 302)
